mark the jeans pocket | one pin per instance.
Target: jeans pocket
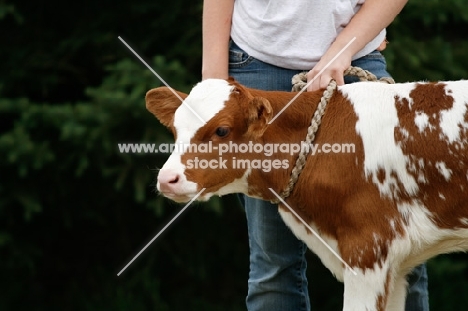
(238, 58)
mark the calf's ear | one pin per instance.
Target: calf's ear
(162, 103)
(259, 114)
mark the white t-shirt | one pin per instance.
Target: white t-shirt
(293, 34)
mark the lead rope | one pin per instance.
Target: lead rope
(299, 81)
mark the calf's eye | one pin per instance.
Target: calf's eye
(222, 131)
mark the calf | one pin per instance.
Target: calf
(398, 198)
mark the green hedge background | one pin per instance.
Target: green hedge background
(74, 211)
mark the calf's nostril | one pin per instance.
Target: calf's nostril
(174, 180)
(168, 177)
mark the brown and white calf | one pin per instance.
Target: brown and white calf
(400, 198)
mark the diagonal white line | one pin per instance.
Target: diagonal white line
(311, 81)
(162, 80)
(162, 230)
(313, 231)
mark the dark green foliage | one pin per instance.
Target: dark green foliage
(428, 41)
(74, 211)
(448, 282)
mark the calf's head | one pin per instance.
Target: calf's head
(214, 116)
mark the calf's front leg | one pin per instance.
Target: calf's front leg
(373, 289)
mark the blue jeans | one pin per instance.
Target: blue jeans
(277, 279)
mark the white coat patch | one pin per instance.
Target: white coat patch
(452, 120)
(374, 104)
(443, 170)
(422, 121)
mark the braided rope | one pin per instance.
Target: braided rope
(299, 81)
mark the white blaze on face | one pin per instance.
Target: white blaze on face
(206, 99)
(374, 104)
